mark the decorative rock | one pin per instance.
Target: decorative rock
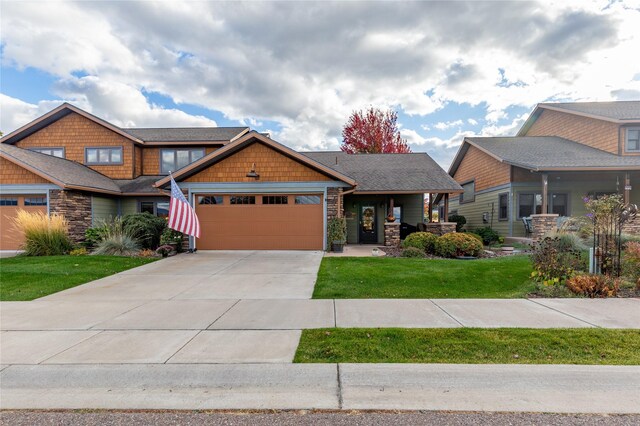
(75, 207)
(441, 228)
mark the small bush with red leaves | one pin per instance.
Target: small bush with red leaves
(594, 285)
(457, 244)
(631, 261)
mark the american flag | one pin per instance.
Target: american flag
(182, 217)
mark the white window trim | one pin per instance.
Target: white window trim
(626, 139)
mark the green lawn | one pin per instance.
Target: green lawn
(470, 346)
(28, 278)
(388, 278)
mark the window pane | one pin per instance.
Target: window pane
(275, 199)
(116, 155)
(168, 161)
(92, 155)
(103, 155)
(397, 213)
(35, 201)
(210, 199)
(559, 204)
(58, 152)
(539, 203)
(525, 205)
(182, 159)
(307, 199)
(8, 201)
(242, 199)
(469, 192)
(196, 154)
(146, 207)
(162, 209)
(503, 209)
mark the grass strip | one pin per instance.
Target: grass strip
(470, 346)
(396, 278)
(30, 277)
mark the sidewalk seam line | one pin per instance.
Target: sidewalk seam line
(447, 313)
(182, 347)
(222, 314)
(72, 346)
(564, 313)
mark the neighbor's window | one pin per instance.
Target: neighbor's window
(107, 155)
(35, 201)
(275, 199)
(558, 204)
(633, 139)
(56, 152)
(210, 199)
(242, 199)
(175, 159)
(503, 206)
(8, 201)
(529, 204)
(397, 214)
(469, 193)
(156, 208)
(307, 199)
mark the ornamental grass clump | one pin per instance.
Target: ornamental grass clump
(457, 244)
(117, 240)
(44, 235)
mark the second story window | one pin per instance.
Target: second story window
(103, 155)
(175, 159)
(56, 152)
(633, 139)
(469, 193)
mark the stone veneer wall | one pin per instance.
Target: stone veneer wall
(75, 207)
(334, 204)
(391, 234)
(632, 227)
(441, 228)
(543, 223)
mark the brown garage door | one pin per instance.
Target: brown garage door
(11, 238)
(260, 222)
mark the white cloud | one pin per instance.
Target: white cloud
(444, 125)
(472, 122)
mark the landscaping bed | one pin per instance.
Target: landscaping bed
(397, 278)
(470, 346)
(31, 277)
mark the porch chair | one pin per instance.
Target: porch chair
(528, 227)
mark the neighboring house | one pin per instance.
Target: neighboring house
(562, 153)
(249, 191)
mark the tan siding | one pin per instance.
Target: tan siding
(11, 173)
(589, 131)
(75, 133)
(486, 170)
(473, 212)
(270, 165)
(151, 159)
(138, 161)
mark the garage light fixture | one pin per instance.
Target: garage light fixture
(252, 173)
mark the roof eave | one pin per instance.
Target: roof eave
(585, 114)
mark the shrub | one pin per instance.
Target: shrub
(93, 236)
(424, 241)
(171, 236)
(631, 261)
(337, 229)
(147, 253)
(459, 220)
(457, 244)
(145, 228)
(594, 285)
(117, 241)
(554, 261)
(44, 235)
(81, 251)
(412, 252)
(476, 236)
(489, 236)
(164, 250)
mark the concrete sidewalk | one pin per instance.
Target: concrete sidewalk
(521, 388)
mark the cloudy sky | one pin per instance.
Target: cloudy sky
(298, 69)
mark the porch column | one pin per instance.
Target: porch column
(390, 208)
(430, 207)
(446, 209)
(545, 185)
(627, 188)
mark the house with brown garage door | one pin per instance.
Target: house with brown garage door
(563, 153)
(249, 191)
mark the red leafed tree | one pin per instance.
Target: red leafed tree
(373, 131)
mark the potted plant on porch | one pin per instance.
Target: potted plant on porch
(337, 233)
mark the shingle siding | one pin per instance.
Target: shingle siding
(486, 170)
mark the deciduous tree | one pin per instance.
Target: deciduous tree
(373, 131)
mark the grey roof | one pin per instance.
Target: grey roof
(551, 152)
(65, 171)
(389, 172)
(187, 134)
(139, 185)
(619, 110)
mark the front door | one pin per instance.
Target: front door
(368, 231)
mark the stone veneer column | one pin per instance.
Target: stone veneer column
(75, 207)
(333, 203)
(441, 228)
(543, 223)
(391, 234)
(632, 227)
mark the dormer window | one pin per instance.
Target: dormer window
(633, 139)
(175, 159)
(103, 156)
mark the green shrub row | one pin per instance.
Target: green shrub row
(453, 244)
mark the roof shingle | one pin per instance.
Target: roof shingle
(618, 110)
(187, 134)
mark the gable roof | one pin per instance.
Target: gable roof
(244, 141)
(220, 135)
(64, 173)
(545, 153)
(55, 115)
(399, 173)
(621, 112)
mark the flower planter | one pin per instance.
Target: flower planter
(337, 246)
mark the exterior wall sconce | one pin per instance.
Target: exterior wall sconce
(252, 173)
